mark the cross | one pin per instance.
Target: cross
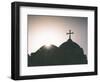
(70, 34)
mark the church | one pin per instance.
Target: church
(68, 53)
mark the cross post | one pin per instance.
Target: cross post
(70, 32)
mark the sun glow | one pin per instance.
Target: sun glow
(51, 30)
(47, 36)
(45, 32)
(48, 45)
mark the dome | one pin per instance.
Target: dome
(70, 47)
(69, 44)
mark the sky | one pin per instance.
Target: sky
(47, 30)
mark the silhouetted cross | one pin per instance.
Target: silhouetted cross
(70, 34)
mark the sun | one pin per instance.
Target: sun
(48, 45)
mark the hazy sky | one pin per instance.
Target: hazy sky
(46, 30)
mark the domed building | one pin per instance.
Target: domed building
(72, 53)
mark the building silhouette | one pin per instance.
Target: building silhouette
(68, 53)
